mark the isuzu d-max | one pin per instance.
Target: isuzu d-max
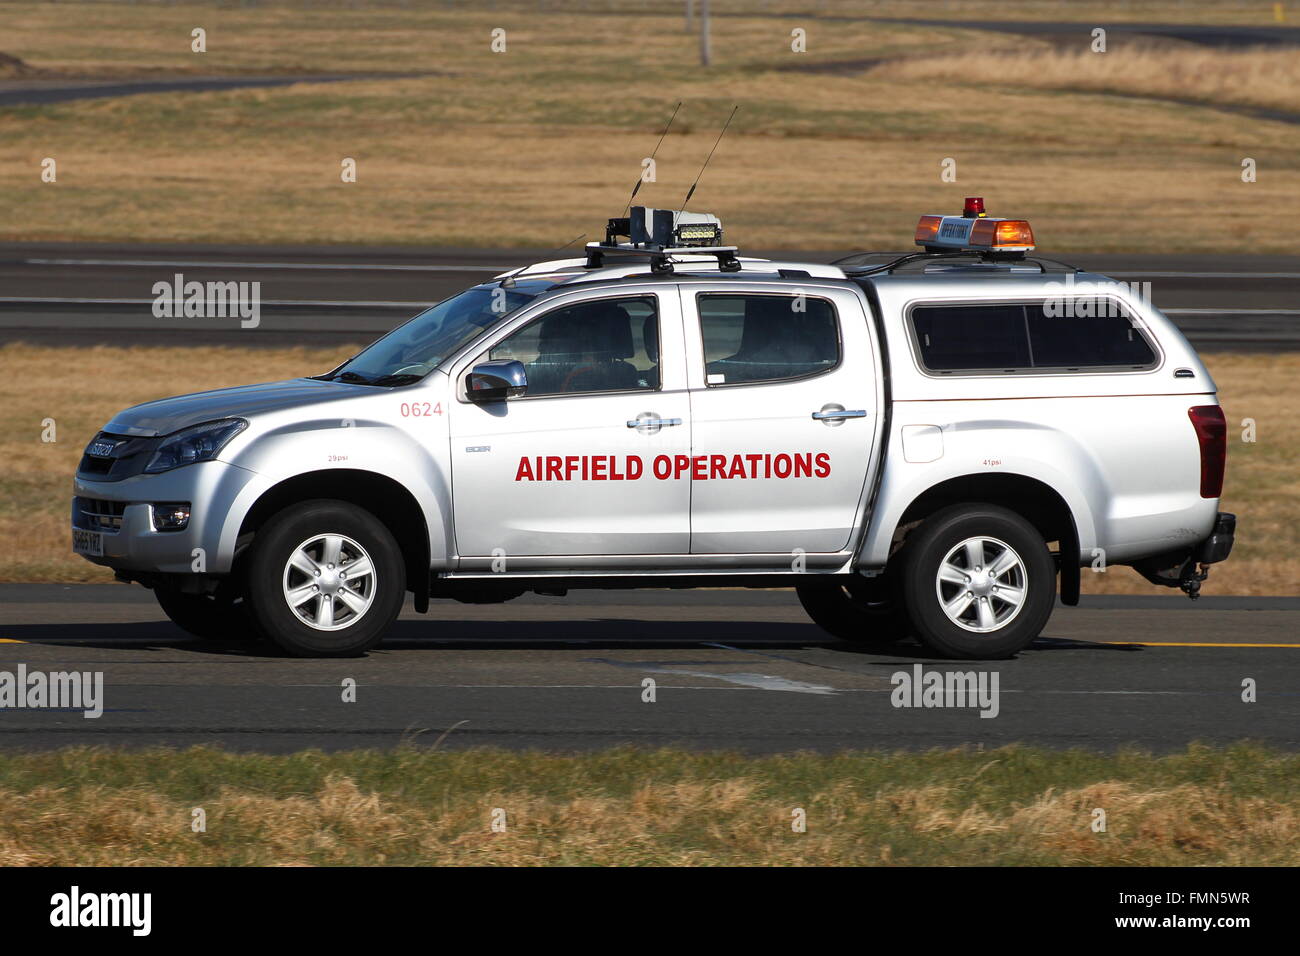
(930, 447)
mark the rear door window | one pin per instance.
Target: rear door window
(766, 338)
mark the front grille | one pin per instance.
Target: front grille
(119, 456)
(95, 466)
(94, 514)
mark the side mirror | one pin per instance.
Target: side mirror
(496, 381)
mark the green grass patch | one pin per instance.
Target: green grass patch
(415, 805)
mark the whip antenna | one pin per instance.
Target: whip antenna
(637, 188)
(691, 191)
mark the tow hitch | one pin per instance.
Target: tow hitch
(1186, 569)
(1191, 579)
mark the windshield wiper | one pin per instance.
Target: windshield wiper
(350, 377)
(405, 378)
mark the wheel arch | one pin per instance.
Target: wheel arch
(388, 500)
(1036, 501)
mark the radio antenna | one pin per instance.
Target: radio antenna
(691, 192)
(569, 243)
(637, 188)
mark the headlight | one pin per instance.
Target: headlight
(200, 443)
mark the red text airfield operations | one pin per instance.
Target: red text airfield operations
(673, 467)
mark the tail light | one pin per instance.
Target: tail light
(1212, 434)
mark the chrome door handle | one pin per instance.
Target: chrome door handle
(833, 415)
(642, 422)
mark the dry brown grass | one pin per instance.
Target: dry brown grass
(81, 390)
(623, 807)
(1260, 77)
(1066, 11)
(535, 146)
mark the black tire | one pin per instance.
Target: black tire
(944, 534)
(268, 578)
(857, 609)
(211, 617)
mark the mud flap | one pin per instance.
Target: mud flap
(1070, 571)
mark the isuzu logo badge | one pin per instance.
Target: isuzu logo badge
(100, 448)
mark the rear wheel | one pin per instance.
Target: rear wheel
(855, 609)
(977, 582)
(326, 579)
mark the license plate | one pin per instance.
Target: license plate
(88, 542)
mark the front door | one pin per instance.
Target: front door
(569, 467)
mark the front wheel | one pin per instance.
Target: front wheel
(977, 581)
(326, 579)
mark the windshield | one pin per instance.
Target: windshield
(413, 350)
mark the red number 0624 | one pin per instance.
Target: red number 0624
(420, 409)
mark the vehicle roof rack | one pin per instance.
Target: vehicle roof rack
(918, 261)
(876, 254)
(660, 234)
(661, 259)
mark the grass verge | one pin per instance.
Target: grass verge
(82, 390)
(1263, 78)
(1011, 806)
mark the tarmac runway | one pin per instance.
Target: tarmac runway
(87, 294)
(734, 669)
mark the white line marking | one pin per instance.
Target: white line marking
(479, 267)
(758, 681)
(386, 304)
(47, 300)
(1204, 275)
(743, 685)
(1231, 311)
(218, 264)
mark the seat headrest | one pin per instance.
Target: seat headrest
(610, 328)
(768, 324)
(561, 334)
(650, 336)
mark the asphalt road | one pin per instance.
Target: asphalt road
(741, 670)
(41, 90)
(84, 294)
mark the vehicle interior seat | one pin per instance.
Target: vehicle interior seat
(770, 345)
(583, 350)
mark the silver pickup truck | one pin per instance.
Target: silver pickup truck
(922, 446)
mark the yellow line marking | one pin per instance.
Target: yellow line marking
(10, 640)
(1181, 644)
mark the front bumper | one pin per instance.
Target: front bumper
(219, 494)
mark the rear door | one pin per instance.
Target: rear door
(784, 410)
